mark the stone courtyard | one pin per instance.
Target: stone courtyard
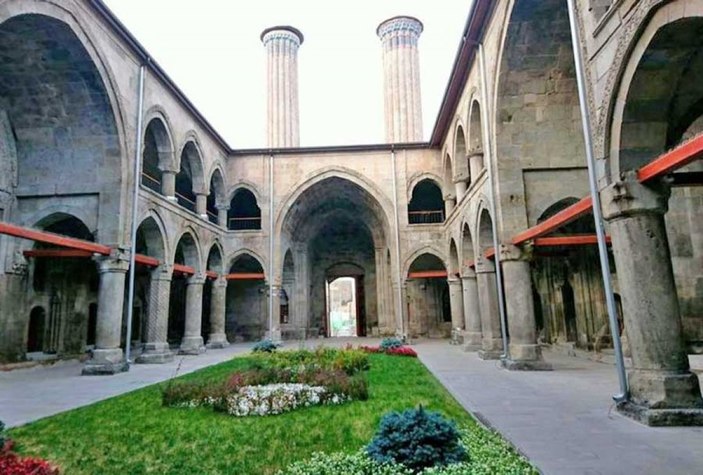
(553, 210)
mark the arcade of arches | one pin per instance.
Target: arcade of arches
(387, 239)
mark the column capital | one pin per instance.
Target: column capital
(116, 262)
(222, 206)
(197, 279)
(453, 281)
(221, 281)
(468, 273)
(485, 266)
(628, 197)
(449, 197)
(163, 273)
(510, 252)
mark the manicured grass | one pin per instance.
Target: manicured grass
(134, 434)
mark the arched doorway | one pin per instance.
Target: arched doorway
(427, 291)
(35, 332)
(247, 299)
(338, 228)
(345, 301)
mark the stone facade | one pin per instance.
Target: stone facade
(242, 243)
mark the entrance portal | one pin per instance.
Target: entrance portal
(342, 307)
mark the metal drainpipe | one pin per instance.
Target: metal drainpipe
(399, 296)
(597, 213)
(488, 157)
(271, 245)
(135, 198)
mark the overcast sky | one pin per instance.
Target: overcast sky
(211, 49)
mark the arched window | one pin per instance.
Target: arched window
(184, 186)
(426, 205)
(244, 212)
(215, 197)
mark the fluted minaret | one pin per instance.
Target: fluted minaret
(282, 116)
(401, 78)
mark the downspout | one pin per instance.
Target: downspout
(488, 160)
(396, 223)
(597, 213)
(135, 198)
(271, 245)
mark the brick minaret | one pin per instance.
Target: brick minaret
(282, 117)
(401, 78)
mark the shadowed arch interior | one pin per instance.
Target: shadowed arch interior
(426, 205)
(428, 308)
(158, 152)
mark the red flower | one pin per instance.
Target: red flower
(11, 464)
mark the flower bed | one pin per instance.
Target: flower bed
(13, 464)
(399, 350)
(271, 387)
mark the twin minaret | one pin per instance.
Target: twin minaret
(401, 82)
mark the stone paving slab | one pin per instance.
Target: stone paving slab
(563, 420)
(41, 391)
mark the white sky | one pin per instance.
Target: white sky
(211, 49)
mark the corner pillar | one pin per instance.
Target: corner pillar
(192, 343)
(156, 349)
(472, 315)
(525, 353)
(663, 390)
(492, 341)
(217, 337)
(107, 357)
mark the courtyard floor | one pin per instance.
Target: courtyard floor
(563, 420)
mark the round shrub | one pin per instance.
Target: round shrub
(390, 343)
(417, 439)
(265, 346)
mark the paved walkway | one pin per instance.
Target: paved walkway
(562, 420)
(30, 394)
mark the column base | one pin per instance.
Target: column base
(472, 341)
(192, 345)
(457, 337)
(217, 341)
(661, 417)
(274, 335)
(665, 390)
(155, 353)
(105, 362)
(490, 354)
(525, 365)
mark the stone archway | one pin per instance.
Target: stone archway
(336, 221)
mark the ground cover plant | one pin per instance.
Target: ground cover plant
(13, 464)
(135, 433)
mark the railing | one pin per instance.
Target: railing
(186, 202)
(212, 217)
(426, 217)
(239, 224)
(151, 182)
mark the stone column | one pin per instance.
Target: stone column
(217, 337)
(201, 205)
(222, 210)
(663, 391)
(282, 118)
(302, 288)
(456, 303)
(385, 325)
(492, 343)
(107, 357)
(460, 187)
(449, 204)
(401, 78)
(524, 352)
(274, 332)
(168, 184)
(156, 349)
(192, 343)
(472, 315)
(475, 163)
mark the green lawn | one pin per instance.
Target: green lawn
(134, 434)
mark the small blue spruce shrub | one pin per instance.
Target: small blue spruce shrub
(390, 343)
(417, 439)
(265, 346)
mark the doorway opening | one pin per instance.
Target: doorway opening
(345, 307)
